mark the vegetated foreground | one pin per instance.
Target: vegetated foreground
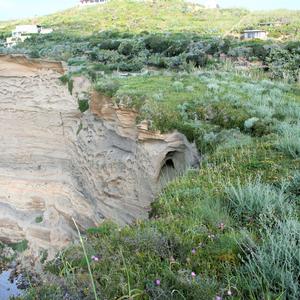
(229, 230)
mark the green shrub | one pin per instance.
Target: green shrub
(126, 48)
(109, 44)
(83, 105)
(107, 86)
(293, 185)
(39, 219)
(67, 79)
(157, 43)
(133, 65)
(64, 79)
(256, 202)
(130, 99)
(197, 54)
(157, 60)
(289, 142)
(34, 54)
(271, 267)
(20, 246)
(284, 64)
(290, 145)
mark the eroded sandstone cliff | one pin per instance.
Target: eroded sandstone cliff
(57, 163)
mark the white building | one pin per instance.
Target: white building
(22, 32)
(91, 2)
(211, 4)
(254, 34)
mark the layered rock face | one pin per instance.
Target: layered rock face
(57, 164)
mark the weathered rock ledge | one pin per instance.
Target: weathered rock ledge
(57, 164)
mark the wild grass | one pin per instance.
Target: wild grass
(193, 245)
(87, 261)
(271, 267)
(256, 203)
(289, 142)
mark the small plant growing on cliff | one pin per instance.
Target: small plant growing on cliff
(66, 79)
(83, 105)
(107, 86)
(79, 128)
(39, 219)
(20, 246)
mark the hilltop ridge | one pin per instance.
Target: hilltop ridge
(162, 16)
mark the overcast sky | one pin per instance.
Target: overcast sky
(13, 9)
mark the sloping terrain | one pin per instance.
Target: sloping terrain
(163, 16)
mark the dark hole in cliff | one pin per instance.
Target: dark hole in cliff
(168, 170)
(169, 163)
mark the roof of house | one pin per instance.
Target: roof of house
(253, 30)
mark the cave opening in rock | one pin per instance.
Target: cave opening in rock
(169, 163)
(168, 170)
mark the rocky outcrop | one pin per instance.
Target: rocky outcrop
(57, 164)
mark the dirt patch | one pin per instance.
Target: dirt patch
(10, 65)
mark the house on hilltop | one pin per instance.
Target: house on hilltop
(254, 34)
(211, 4)
(91, 2)
(22, 32)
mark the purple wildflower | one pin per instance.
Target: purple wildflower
(193, 274)
(95, 258)
(157, 282)
(193, 251)
(218, 298)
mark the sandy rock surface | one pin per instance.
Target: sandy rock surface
(57, 164)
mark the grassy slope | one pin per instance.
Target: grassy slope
(162, 16)
(135, 16)
(184, 235)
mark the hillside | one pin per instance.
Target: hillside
(161, 163)
(162, 16)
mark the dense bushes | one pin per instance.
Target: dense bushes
(284, 63)
(130, 53)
